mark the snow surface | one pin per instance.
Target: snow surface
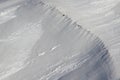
(59, 40)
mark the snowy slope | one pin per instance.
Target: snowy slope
(37, 42)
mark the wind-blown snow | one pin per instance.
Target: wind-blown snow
(101, 17)
(37, 42)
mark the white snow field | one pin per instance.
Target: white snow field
(101, 17)
(59, 40)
